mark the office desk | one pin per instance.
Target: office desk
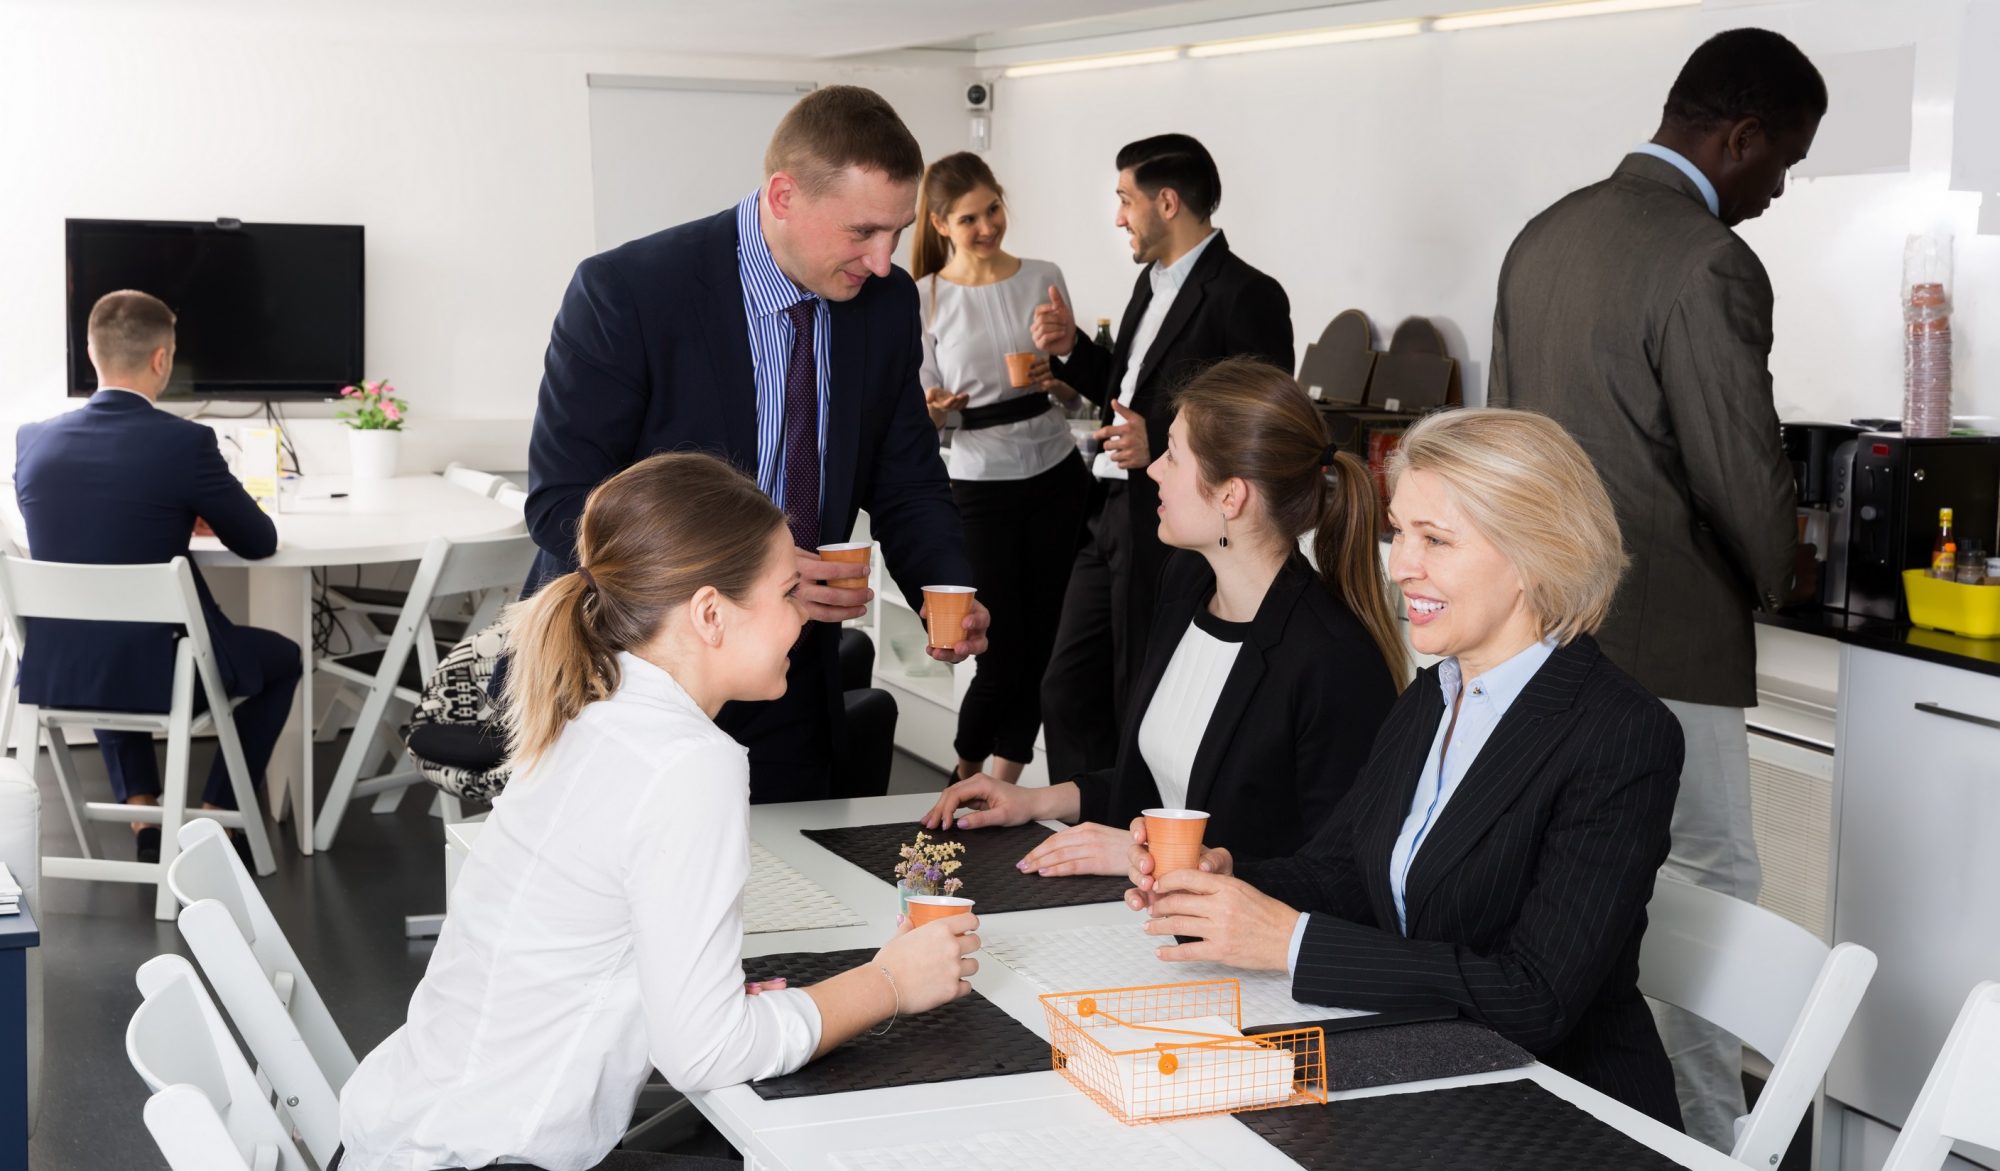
(371, 523)
(801, 1133)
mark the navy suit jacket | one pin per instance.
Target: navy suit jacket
(1528, 900)
(120, 482)
(651, 353)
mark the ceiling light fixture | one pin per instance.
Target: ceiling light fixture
(1538, 12)
(1301, 40)
(1102, 61)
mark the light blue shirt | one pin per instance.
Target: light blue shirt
(1681, 164)
(1485, 702)
(767, 294)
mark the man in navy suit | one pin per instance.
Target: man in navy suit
(120, 482)
(777, 335)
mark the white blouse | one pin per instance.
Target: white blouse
(968, 332)
(594, 935)
(1177, 717)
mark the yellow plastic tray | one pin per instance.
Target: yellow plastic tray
(1970, 610)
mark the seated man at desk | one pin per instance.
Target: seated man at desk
(121, 483)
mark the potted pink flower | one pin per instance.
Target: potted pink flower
(374, 416)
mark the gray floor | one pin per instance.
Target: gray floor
(342, 911)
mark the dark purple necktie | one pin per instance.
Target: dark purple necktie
(802, 430)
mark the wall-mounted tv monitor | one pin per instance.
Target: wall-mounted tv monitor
(266, 311)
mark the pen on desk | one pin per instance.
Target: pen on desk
(326, 496)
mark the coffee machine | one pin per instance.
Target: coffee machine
(1822, 456)
(1898, 485)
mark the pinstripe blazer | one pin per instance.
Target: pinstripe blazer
(1528, 898)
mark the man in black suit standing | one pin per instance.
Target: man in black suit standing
(1195, 304)
(777, 335)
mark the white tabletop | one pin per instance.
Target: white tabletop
(333, 520)
(800, 1133)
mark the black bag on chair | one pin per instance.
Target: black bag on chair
(455, 732)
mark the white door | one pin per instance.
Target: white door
(666, 150)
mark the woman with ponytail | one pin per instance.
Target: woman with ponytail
(1266, 679)
(597, 932)
(1020, 486)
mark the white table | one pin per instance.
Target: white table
(801, 1133)
(322, 521)
(373, 523)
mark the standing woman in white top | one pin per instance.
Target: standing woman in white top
(596, 933)
(1021, 488)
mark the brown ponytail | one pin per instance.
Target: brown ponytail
(650, 538)
(946, 181)
(1251, 421)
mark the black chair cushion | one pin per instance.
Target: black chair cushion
(448, 632)
(369, 662)
(371, 595)
(472, 747)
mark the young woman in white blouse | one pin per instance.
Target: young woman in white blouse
(597, 932)
(1020, 486)
(1266, 679)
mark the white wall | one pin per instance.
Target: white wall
(1392, 175)
(467, 160)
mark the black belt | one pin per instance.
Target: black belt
(1014, 410)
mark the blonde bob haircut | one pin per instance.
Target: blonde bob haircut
(1526, 485)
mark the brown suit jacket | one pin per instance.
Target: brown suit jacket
(1636, 319)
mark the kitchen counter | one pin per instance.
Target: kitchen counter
(1896, 638)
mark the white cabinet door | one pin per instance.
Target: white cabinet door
(1918, 863)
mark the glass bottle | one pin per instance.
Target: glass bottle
(1944, 550)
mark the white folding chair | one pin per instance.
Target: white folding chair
(257, 976)
(1767, 980)
(207, 1112)
(492, 569)
(473, 480)
(513, 496)
(1960, 1101)
(134, 593)
(388, 601)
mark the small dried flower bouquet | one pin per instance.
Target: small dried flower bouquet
(926, 868)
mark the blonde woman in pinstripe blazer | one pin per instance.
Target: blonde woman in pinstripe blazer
(1497, 851)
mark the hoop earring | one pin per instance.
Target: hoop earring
(1225, 530)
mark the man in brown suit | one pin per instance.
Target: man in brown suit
(1633, 314)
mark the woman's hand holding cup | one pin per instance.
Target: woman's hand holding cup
(931, 964)
(1139, 868)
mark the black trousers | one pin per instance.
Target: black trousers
(1021, 538)
(129, 757)
(1100, 644)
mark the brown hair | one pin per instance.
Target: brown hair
(842, 126)
(946, 181)
(1253, 421)
(126, 327)
(651, 537)
(1530, 489)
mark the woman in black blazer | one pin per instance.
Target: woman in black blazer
(1265, 680)
(1497, 852)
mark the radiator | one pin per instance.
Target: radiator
(1791, 811)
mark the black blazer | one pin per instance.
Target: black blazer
(120, 482)
(1226, 309)
(1528, 899)
(651, 353)
(1290, 730)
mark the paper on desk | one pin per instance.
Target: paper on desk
(1203, 1079)
(1122, 956)
(779, 898)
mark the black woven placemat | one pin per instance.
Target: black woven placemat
(991, 881)
(964, 1039)
(1507, 1126)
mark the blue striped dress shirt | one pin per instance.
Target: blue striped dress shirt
(767, 294)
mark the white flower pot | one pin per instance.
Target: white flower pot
(372, 454)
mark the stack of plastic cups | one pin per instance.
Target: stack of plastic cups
(1927, 362)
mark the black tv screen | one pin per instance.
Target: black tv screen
(265, 310)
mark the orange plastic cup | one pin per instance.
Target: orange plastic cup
(924, 908)
(1173, 837)
(854, 551)
(948, 607)
(1020, 368)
